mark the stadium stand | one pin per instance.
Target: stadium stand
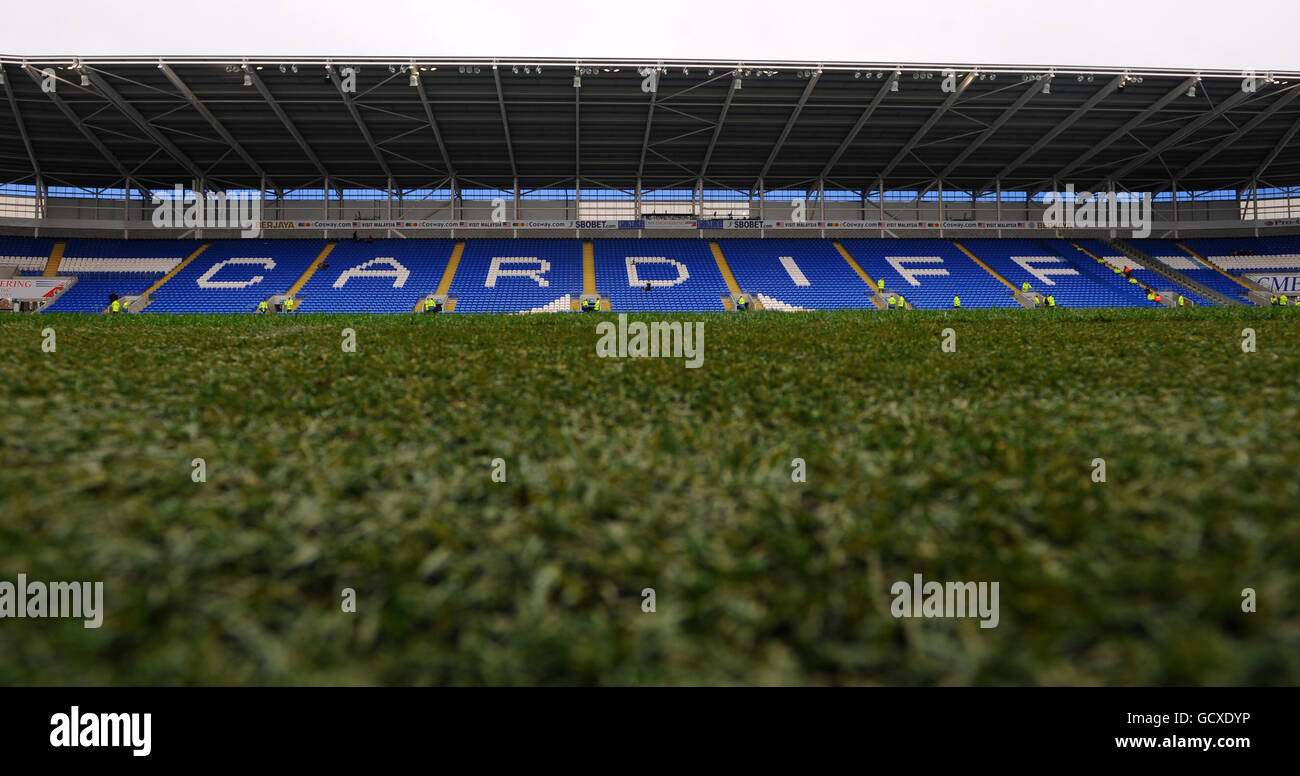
(548, 275)
(682, 275)
(1263, 253)
(1260, 256)
(929, 273)
(25, 253)
(232, 276)
(1043, 264)
(1170, 253)
(387, 276)
(1143, 275)
(90, 294)
(104, 267)
(510, 276)
(804, 274)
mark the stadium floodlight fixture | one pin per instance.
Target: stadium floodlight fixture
(283, 69)
(293, 69)
(391, 69)
(515, 69)
(710, 71)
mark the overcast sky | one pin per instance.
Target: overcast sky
(1260, 34)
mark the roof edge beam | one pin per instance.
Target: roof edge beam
(216, 125)
(505, 122)
(927, 126)
(789, 125)
(858, 126)
(127, 109)
(286, 121)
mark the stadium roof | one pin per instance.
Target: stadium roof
(502, 123)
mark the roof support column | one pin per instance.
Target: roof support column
(998, 206)
(880, 192)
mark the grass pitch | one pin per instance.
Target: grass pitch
(372, 471)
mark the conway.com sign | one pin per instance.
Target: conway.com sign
(32, 288)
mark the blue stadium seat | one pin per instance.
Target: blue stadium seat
(1177, 258)
(929, 273)
(1152, 279)
(525, 275)
(232, 276)
(683, 275)
(1056, 268)
(512, 276)
(808, 274)
(386, 276)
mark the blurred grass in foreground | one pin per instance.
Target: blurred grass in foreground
(370, 470)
